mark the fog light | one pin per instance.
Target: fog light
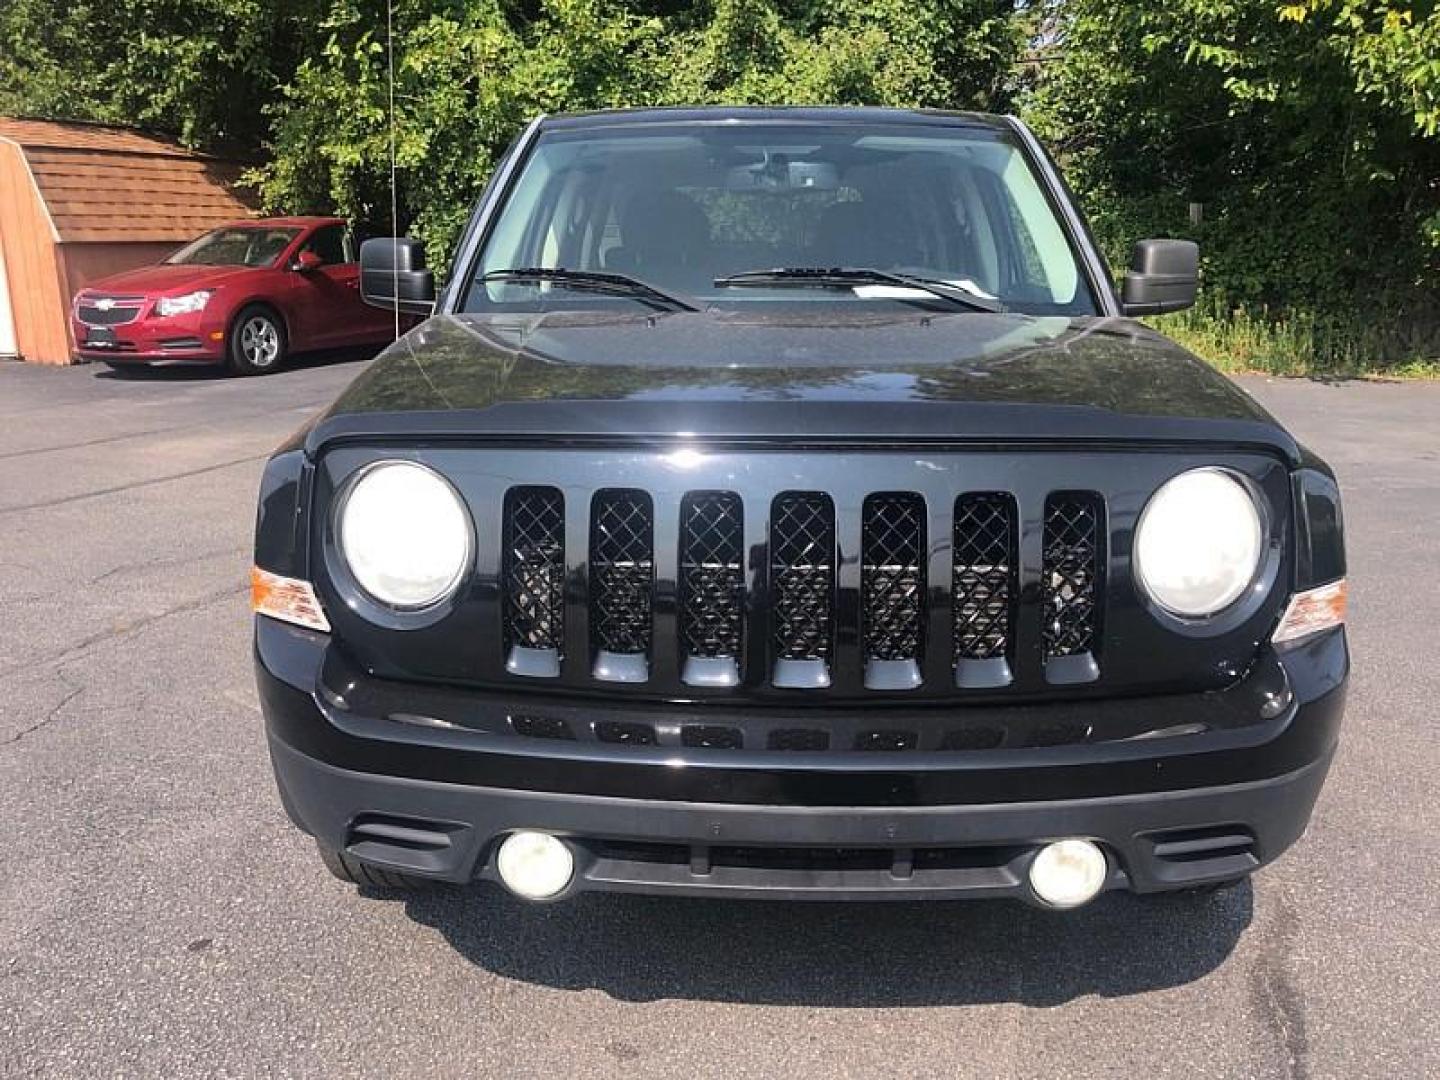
(534, 865)
(1068, 873)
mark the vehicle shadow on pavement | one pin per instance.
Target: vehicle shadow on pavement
(842, 955)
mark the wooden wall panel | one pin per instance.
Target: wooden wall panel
(37, 292)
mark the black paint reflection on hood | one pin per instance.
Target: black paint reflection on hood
(475, 362)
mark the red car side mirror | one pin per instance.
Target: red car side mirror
(307, 261)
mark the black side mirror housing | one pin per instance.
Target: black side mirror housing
(393, 274)
(1163, 276)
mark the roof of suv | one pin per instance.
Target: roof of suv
(832, 114)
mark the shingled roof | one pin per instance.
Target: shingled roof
(112, 184)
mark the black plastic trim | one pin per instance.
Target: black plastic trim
(330, 728)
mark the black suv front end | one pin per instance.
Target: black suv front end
(885, 597)
(972, 671)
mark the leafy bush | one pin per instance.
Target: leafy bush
(1308, 146)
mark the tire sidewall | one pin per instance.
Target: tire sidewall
(238, 361)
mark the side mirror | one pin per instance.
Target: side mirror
(306, 261)
(393, 274)
(1163, 277)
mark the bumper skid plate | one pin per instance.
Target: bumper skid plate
(1155, 841)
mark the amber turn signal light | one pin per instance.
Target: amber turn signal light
(1312, 611)
(287, 599)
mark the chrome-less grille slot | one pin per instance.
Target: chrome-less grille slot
(1071, 566)
(983, 589)
(892, 585)
(712, 587)
(622, 578)
(802, 588)
(534, 580)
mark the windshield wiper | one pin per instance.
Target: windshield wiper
(846, 276)
(598, 281)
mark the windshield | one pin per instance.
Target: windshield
(680, 207)
(239, 246)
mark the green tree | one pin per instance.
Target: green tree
(203, 71)
(1392, 49)
(469, 74)
(1317, 190)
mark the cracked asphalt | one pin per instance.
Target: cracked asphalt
(160, 918)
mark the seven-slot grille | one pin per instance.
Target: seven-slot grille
(798, 623)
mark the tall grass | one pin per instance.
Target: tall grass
(1304, 343)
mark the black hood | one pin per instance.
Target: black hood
(812, 376)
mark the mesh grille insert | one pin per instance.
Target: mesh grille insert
(541, 727)
(983, 575)
(1070, 573)
(711, 575)
(626, 734)
(802, 575)
(887, 740)
(534, 536)
(798, 739)
(977, 738)
(711, 737)
(91, 315)
(893, 575)
(622, 570)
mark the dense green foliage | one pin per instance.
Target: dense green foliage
(202, 70)
(1307, 142)
(468, 76)
(1308, 132)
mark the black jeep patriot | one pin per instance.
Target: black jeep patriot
(783, 502)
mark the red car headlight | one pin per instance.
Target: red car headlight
(182, 305)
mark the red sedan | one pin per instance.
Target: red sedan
(247, 295)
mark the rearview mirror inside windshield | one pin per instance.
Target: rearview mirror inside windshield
(781, 174)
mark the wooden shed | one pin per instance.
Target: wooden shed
(82, 201)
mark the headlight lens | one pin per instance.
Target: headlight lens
(404, 534)
(182, 305)
(1198, 543)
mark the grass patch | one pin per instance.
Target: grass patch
(1302, 344)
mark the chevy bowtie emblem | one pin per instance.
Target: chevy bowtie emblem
(105, 304)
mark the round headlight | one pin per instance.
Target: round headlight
(1199, 543)
(404, 534)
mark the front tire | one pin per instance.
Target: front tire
(257, 342)
(351, 870)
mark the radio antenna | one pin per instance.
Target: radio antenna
(394, 198)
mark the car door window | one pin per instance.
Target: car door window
(329, 243)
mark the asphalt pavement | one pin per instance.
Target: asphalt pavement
(161, 918)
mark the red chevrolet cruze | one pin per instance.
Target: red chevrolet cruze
(247, 295)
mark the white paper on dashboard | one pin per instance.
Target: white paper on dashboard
(905, 292)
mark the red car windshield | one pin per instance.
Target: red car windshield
(240, 246)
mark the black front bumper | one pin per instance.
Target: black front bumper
(1171, 810)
